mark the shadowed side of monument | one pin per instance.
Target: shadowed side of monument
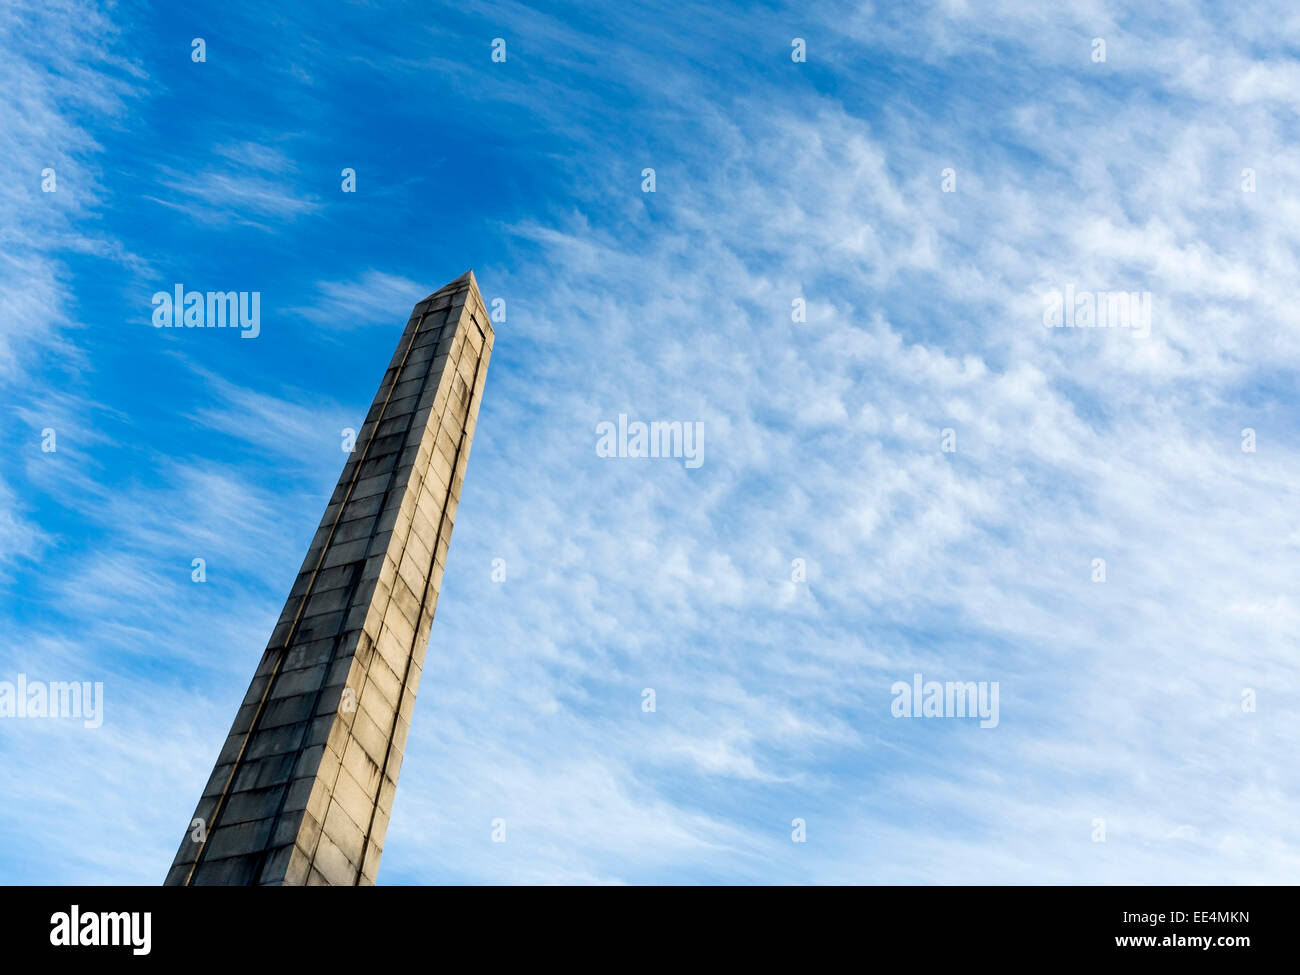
(303, 788)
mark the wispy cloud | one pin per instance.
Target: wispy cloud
(254, 186)
(374, 298)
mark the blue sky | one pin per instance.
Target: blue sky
(1120, 701)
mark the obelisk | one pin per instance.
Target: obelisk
(303, 788)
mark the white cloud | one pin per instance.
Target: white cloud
(375, 297)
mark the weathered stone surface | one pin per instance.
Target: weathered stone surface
(302, 790)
